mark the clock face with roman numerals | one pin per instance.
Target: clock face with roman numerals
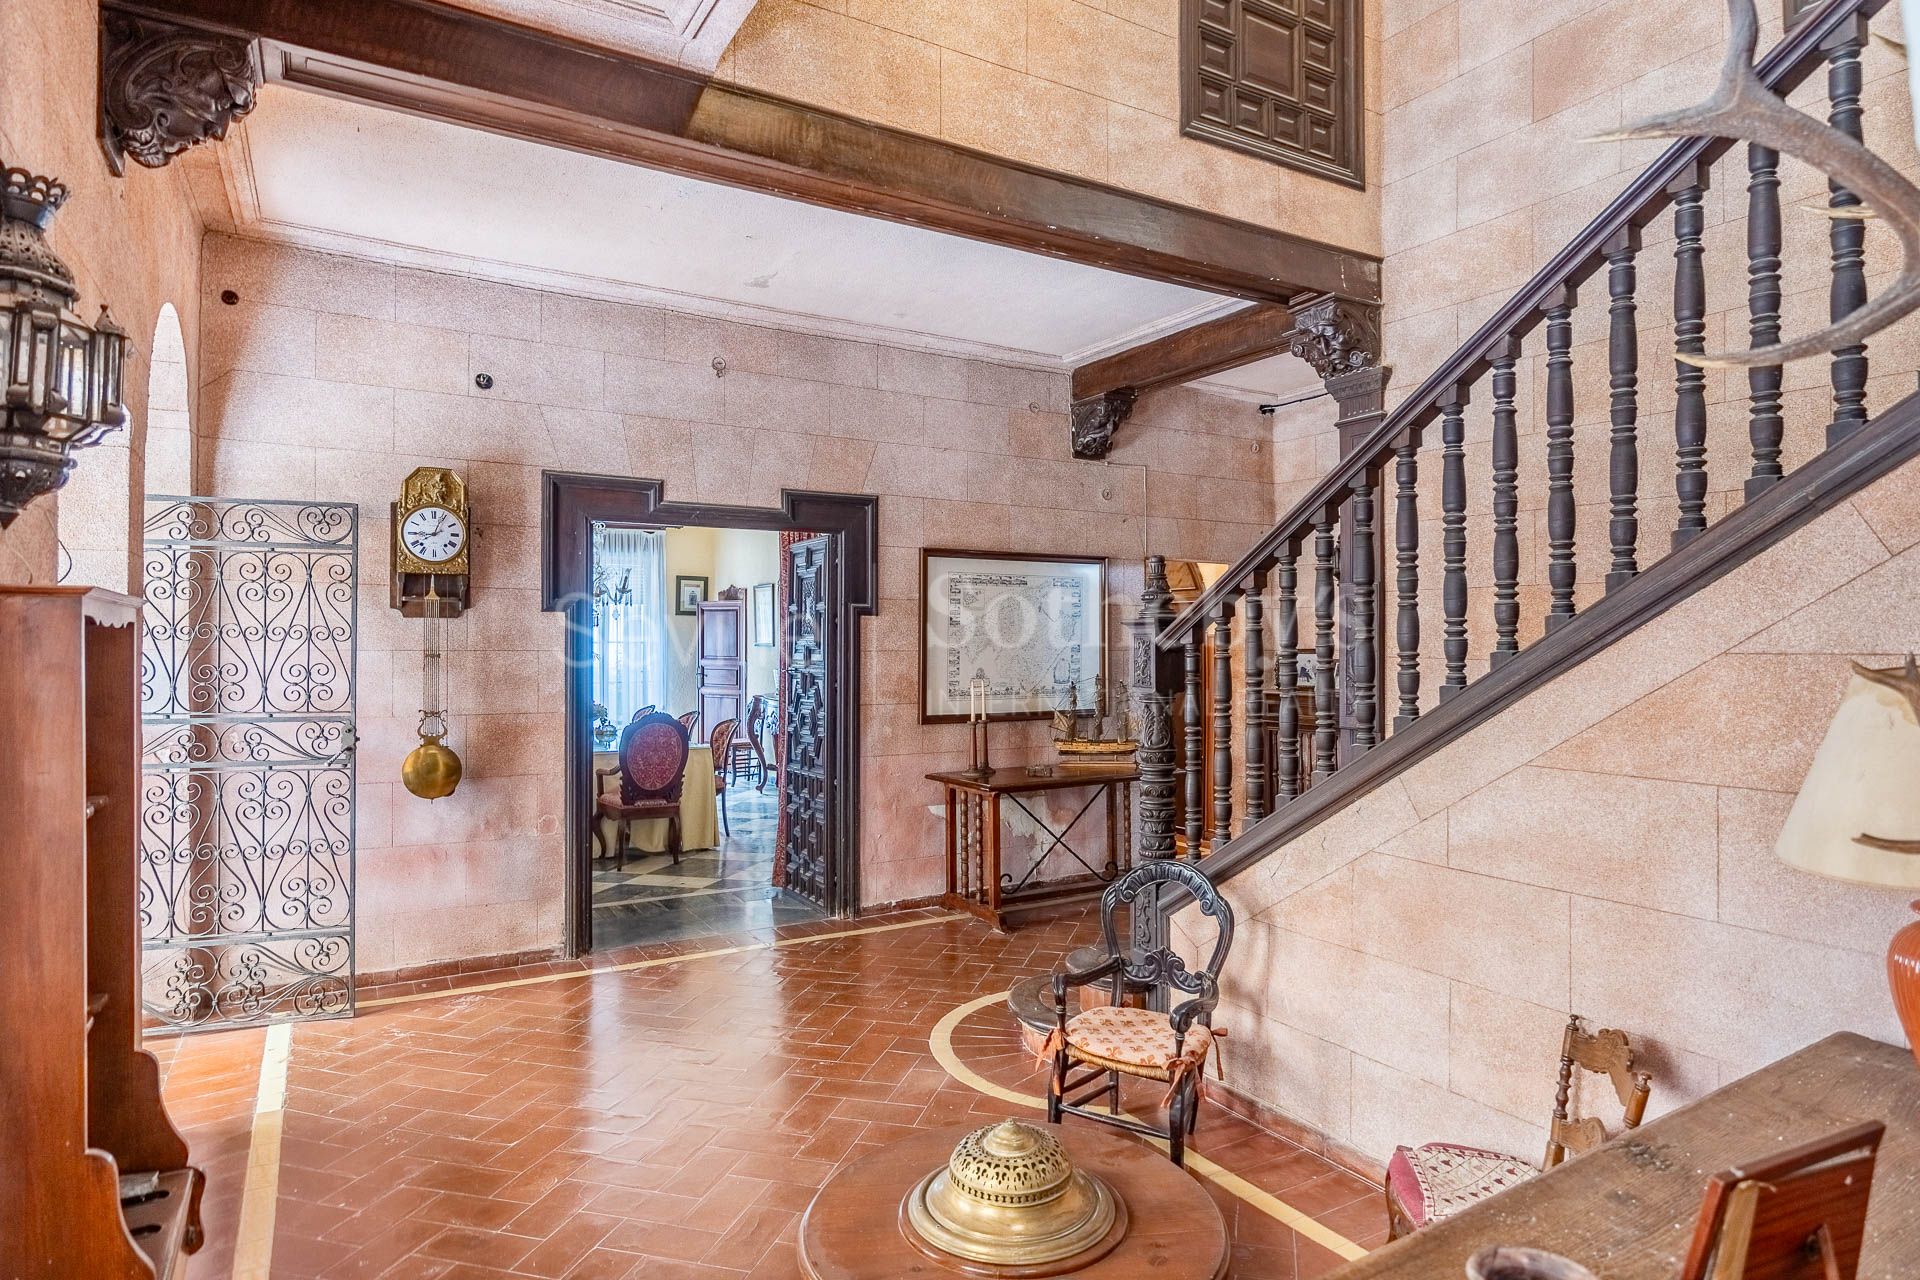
(434, 534)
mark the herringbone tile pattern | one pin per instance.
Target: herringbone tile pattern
(671, 1122)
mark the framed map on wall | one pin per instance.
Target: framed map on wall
(1032, 627)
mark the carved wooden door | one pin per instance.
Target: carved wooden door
(805, 707)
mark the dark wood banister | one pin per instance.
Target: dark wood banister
(1784, 65)
(1889, 440)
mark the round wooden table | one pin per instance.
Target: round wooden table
(852, 1229)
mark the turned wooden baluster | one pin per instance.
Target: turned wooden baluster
(1365, 667)
(1256, 715)
(1689, 334)
(1560, 567)
(1406, 546)
(1847, 236)
(1506, 504)
(1453, 537)
(1287, 678)
(1194, 797)
(1623, 381)
(1222, 726)
(1326, 703)
(1765, 427)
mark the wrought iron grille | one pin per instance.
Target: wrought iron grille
(247, 813)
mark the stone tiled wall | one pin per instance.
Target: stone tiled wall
(1487, 174)
(1402, 971)
(132, 242)
(333, 377)
(1089, 88)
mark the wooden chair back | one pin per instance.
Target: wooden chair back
(1607, 1053)
(653, 759)
(756, 717)
(688, 719)
(642, 714)
(720, 742)
(1164, 967)
(1798, 1215)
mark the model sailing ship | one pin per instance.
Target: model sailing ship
(1100, 735)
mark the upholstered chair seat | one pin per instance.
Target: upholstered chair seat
(1440, 1179)
(1136, 1042)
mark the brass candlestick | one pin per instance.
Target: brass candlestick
(979, 758)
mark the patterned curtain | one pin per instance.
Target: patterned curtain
(630, 640)
(787, 539)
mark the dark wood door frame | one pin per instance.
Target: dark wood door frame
(570, 504)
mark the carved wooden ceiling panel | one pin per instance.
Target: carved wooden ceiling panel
(1279, 79)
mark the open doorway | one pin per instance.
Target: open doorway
(687, 627)
(715, 647)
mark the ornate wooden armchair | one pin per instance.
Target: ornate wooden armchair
(1438, 1180)
(652, 769)
(1116, 1040)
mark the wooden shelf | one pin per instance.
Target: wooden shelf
(159, 1220)
(87, 1103)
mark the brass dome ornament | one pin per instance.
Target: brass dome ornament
(1010, 1198)
(59, 377)
(432, 769)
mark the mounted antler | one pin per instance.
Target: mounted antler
(1741, 107)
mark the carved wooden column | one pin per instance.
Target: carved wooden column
(1341, 340)
(1153, 680)
(166, 86)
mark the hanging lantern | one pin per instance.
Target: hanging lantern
(62, 377)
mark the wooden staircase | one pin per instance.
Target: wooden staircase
(1242, 751)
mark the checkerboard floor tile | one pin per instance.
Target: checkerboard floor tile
(722, 890)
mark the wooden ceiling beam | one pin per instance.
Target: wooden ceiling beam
(1212, 346)
(453, 65)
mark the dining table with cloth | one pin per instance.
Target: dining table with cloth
(699, 808)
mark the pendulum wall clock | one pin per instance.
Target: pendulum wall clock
(432, 574)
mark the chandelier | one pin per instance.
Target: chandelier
(606, 595)
(62, 377)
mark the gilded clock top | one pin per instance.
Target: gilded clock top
(433, 487)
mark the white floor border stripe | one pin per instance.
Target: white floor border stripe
(941, 1043)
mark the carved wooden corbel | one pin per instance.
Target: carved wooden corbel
(1336, 336)
(1096, 418)
(165, 87)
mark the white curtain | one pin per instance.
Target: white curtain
(630, 640)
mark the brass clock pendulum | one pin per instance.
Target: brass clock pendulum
(432, 769)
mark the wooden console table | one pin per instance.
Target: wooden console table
(975, 882)
(1627, 1210)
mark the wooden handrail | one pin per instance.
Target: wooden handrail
(1890, 440)
(1783, 67)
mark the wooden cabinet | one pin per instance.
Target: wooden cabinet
(81, 1120)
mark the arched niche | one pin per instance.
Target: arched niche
(101, 507)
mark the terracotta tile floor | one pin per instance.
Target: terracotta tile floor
(661, 1122)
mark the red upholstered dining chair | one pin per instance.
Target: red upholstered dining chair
(652, 770)
(642, 714)
(722, 742)
(1438, 1180)
(688, 719)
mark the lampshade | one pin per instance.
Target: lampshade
(1857, 816)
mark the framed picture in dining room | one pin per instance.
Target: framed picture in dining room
(1030, 629)
(764, 631)
(688, 594)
